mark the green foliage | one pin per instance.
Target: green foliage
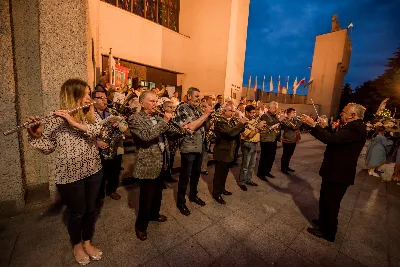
(371, 93)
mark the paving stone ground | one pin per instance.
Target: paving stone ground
(263, 226)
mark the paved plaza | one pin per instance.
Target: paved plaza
(261, 227)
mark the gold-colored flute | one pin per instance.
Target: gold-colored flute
(41, 120)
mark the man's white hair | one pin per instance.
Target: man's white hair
(273, 103)
(357, 109)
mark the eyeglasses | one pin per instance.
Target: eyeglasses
(100, 97)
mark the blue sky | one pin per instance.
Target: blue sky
(281, 36)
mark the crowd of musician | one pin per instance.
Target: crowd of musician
(159, 127)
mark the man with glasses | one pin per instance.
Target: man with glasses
(111, 167)
(249, 139)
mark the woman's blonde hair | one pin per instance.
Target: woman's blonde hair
(72, 94)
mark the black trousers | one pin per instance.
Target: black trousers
(331, 195)
(149, 202)
(237, 146)
(191, 167)
(111, 173)
(267, 157)
(80, 199)
(171, 161)
(220, 175)
(288, 150)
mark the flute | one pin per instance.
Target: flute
(41, 120)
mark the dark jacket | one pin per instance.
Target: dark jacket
(270, 119)
(149, 159)
(224, 149)
(291, 132)
(342, 151)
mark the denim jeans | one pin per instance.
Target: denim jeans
(249, 158)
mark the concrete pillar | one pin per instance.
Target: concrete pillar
(11, 189)
(43, 43)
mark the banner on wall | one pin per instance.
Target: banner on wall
(170, 90)
(120, 75)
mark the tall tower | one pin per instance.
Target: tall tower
(330, 64)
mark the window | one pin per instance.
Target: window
(125, 4)
(138, 7)
(163, 12)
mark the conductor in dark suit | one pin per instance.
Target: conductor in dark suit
(224, 150)
(338, 168)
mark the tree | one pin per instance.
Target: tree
(346, 96)
(371, 93)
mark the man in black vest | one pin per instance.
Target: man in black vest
(338, 168)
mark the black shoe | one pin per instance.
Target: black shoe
(226, 193)
(243, 187)
(285, 172)
(197, 200)
(318, 233)
(262, 177)
(183, 209)
(161, 218)
(270, 175)
(289, 169)
(219, 199)
(141, 235)
(252, 184)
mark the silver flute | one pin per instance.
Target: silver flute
(41, 120)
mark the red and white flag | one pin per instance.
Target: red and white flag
(255, 84)
(298, 84)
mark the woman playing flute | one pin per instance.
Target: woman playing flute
(78, 167)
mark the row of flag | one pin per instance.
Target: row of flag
(281, 89)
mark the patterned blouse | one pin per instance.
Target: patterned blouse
(77, 153)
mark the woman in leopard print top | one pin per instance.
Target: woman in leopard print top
(78, 168)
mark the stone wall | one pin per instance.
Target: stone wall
(11, 189)
(65, 52)
(28, 82)
(43, 43)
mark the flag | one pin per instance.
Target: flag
(271, 85)
(255, 84)
(296, 85)
(284, 90)
(111, 68)
(308, 83)
(279, 84)
(287, 83)
(350, 26)
(263, 86)
(249, 82)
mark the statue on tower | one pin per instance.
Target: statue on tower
(335, 24)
